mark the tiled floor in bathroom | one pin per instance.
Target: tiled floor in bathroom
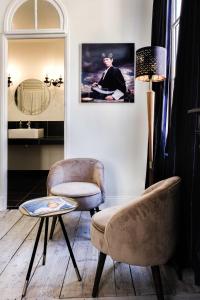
(25, 185)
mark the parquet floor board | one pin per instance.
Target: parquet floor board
(57, 279)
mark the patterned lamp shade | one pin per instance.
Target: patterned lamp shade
(151, 64)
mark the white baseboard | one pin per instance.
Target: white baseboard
(117, 200)
(3, 203)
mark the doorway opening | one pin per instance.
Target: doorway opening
(35, 104)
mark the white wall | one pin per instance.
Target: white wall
(115, 134)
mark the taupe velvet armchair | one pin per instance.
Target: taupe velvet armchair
(142, 232)
(78, 178)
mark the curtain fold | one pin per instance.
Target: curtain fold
(160, 36)
(184, 139)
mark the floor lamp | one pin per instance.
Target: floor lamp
(151, 67)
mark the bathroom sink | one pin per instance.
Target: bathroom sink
(26, 133)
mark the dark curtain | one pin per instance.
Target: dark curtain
(160, 36)
(184, 143)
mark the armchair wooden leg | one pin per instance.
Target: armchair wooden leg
(53, 225)
(101, 262)
(157, 282)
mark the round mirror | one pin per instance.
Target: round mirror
(32, 97)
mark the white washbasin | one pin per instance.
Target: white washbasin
(26, 133)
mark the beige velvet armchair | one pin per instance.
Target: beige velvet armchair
(142, 232)
(78, 178)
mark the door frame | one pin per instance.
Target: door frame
(4, 38)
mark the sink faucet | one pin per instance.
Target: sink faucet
(29, 124)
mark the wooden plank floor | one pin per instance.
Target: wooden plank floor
(57, 279)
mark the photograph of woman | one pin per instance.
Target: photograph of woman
(107, 73)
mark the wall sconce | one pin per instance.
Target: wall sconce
(56, 82)
(9, 81)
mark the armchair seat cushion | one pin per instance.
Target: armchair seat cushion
(100, 220)
(75, 189)
(98, 226)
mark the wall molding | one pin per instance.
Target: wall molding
(3, 123)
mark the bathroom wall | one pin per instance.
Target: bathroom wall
(35, 58)
(33, 157)
(115, 134)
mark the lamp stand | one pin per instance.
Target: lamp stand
(150, 111)
(151, 67)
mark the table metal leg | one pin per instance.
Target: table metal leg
(53, 225)
(32, 257)
(69, 247)
(45, 240)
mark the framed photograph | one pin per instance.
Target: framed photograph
(107, 73)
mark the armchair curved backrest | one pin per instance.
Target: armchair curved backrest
(76, 170)
(144, 231)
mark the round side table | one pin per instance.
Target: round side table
(45, 208)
